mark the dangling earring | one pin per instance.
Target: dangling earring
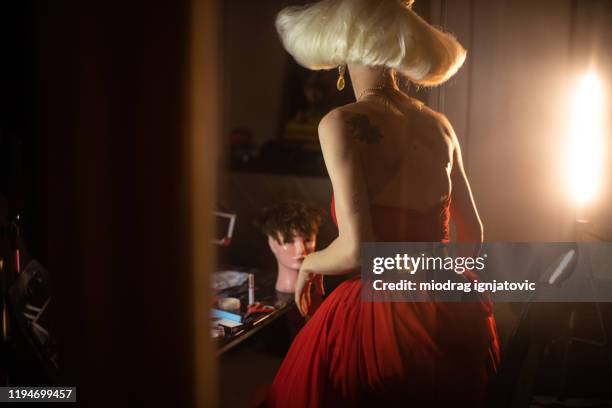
(340, 83)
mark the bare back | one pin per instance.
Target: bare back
(406, 150)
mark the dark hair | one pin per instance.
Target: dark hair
(288, 218)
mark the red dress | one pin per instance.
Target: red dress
(418, 354)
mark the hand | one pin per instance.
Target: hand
(303, 288)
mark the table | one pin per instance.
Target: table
(264, 293)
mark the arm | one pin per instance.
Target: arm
(339, 134)
(343, 161)
(463, 209)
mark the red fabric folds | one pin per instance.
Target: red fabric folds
(354, 353)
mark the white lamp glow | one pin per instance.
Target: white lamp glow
(584, 156)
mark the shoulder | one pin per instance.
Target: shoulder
(337, 120)
(334, 135)
(445, 127)
(347, 123)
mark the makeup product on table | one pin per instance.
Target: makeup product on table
(228, 308)
(229, 304)
(251, 288)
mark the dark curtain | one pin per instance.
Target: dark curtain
(110, 92)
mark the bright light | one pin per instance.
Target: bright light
(585, 148)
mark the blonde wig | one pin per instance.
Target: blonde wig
(386, 33)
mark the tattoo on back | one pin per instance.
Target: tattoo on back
(362, 129)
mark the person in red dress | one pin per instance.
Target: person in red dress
(397, 175)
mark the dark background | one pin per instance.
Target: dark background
(93, 125)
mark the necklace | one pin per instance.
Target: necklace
(374, 89)
(417, 103)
